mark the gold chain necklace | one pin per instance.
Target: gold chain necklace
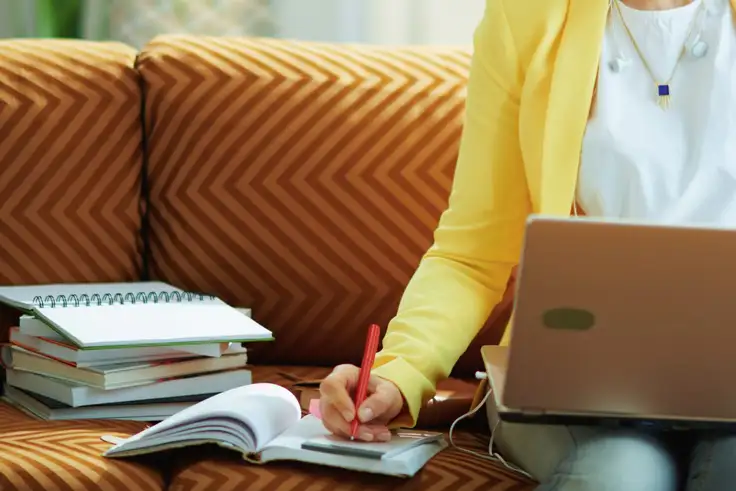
(663, 89)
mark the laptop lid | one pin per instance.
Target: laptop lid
(625, 318)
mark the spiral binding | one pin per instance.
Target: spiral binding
(84, 300)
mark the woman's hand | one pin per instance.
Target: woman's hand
(382, 404)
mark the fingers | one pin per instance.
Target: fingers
(334, 421)
(374, 433)
(348, 373)
(338, 426)
(335, 391)
(383, 405)
(378, 407)
(338, 409)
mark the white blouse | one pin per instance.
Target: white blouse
(639, 161)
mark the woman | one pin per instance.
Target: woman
(623, 109)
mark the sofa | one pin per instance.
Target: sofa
(300, 179)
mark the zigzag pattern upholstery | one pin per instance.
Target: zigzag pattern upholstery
(70, 161)
(302, 179)
(451, 470)
(65, 456)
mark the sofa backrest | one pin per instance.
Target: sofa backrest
(70, 162)
(301, 179)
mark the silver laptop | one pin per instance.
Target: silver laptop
(621, 323)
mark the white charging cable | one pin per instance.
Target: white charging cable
(492, 455)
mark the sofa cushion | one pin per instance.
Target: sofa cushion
(70, 161)
(450, 470)
(65, 456)
(285, 375)
(301, 179)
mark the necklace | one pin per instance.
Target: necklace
(663, 88)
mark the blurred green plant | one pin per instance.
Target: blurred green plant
(58, 18)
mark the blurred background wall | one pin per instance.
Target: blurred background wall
(354, 21)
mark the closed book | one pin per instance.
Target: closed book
(75, 395)
(123, 374)
(48, 409)
(61, 350)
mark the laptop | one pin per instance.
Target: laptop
(620, 323)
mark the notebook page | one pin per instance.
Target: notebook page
(401, 441)
(267, 409)
(153, 324)
(24, 294)
(290, 446)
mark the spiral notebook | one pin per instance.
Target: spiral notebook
(125, 315)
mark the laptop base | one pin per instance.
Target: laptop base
(615, 421)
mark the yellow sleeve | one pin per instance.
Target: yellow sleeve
(478, 240)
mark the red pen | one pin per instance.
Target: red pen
(369, 356)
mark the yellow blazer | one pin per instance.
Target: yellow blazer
(529, 95)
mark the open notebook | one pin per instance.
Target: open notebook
(127, 315)
(264, 423)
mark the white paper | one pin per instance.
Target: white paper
(154, 324)
(266, 409)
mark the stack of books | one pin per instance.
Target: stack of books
(128, 351)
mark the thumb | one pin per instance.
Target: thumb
(379, 405)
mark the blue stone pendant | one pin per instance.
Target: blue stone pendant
(663, 99)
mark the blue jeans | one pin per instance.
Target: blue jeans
(565, 458)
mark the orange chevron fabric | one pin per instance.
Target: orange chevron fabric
(301, 179)
(65, 456)
(449, 471)
(70, 154)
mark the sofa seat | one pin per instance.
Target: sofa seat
(449, 471)
(65, 456)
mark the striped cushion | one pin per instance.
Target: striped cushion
(65, 456)
(449, 471)
(301, 179)
(70, 161)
